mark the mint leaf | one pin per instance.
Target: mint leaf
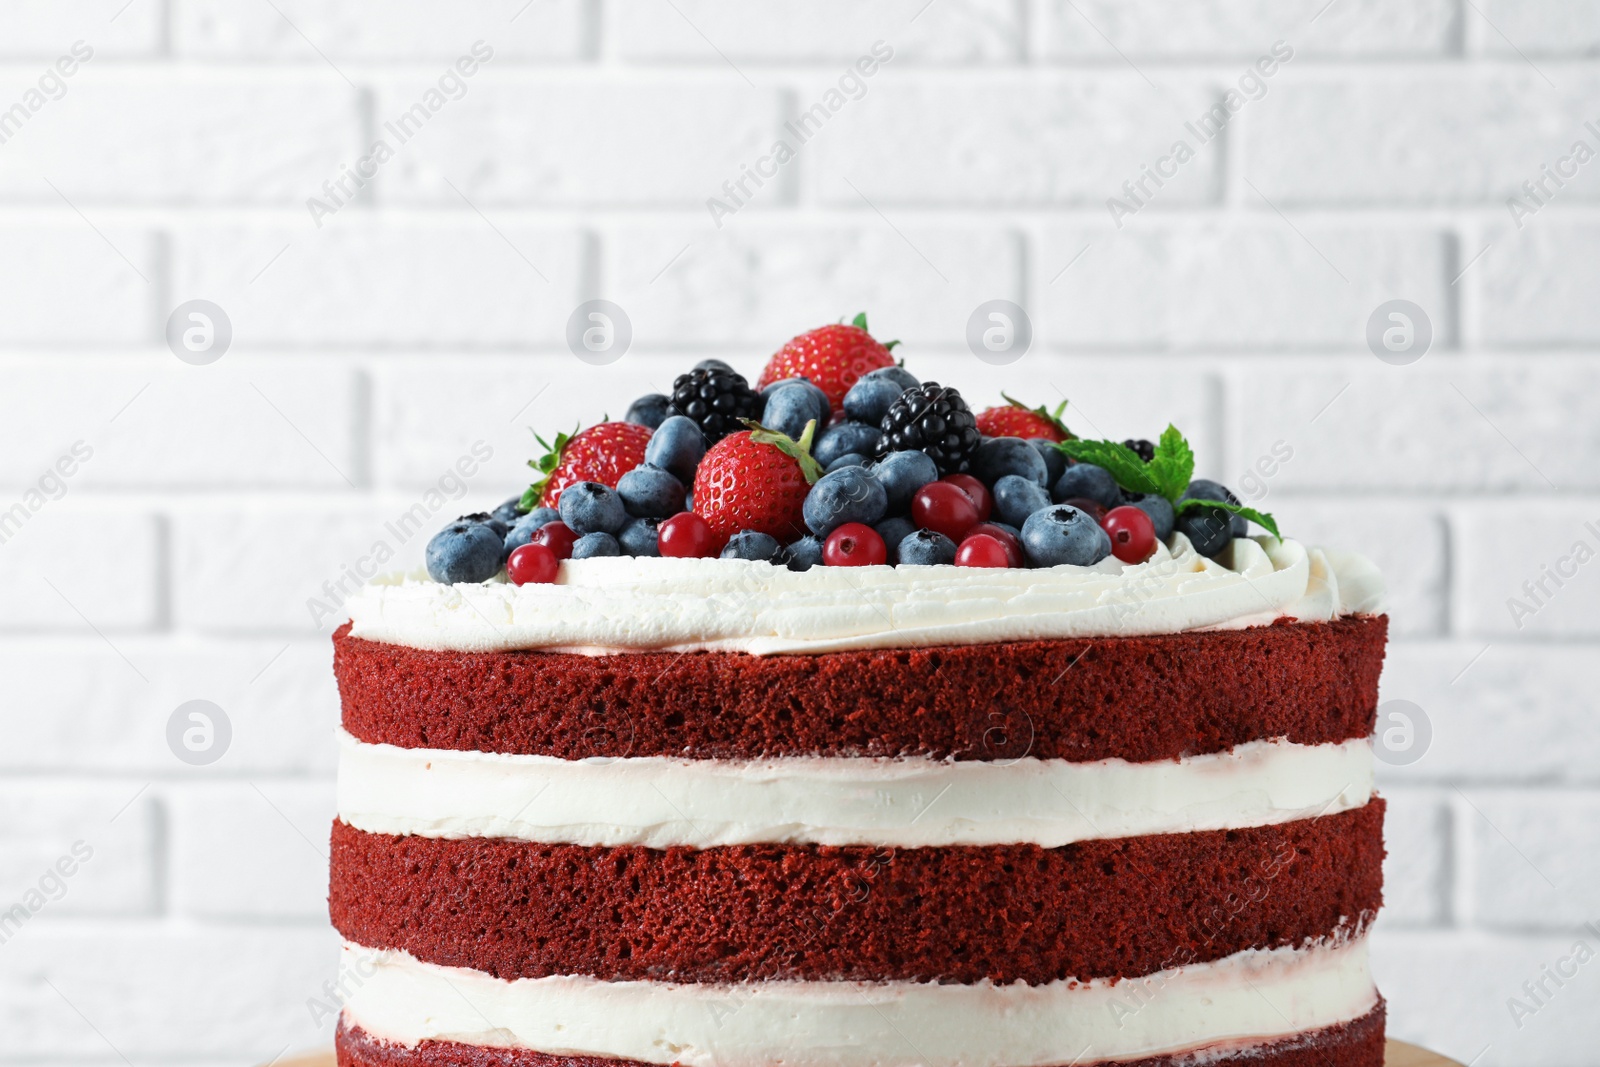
(1262, 519)
(1172, 467)
(1123, 463)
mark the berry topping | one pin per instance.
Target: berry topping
(556, 536)
(590, 507)
(1017, 419)
(975, 489)
(790, 405)
(677, 447)
(1015, 556)
(595, 544)
(532, 564)
(855, 545)
(946, 508)
(753, 545)
(933, 419)
(641, 537)
(464, 551)
(1145, 450)
(649, 410)
(1133, 535)
(1015, 498)
(804, 554)
(998, 457)
(902, 474)
(650, 493)
(601, 454)
(847, 438)
(927, 548)
(686, 536)
(848, 495)
(1095, 509)
(756, 480)
(717, 400)
(834, 358)
(1064, 534)
(982, 550)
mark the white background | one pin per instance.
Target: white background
(369, 353)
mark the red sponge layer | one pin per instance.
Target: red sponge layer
(1097, 909)
(1137, 698)
(1353, 1044)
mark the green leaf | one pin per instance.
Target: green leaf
(545, 465)
(860, 322)
(1172, 467)
(1123, 463)
(799, 451)
(1260, 518)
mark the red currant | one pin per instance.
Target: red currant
(686, 536)
(1133, 535)
(855, 544)
(557, 537)
(983, 550)
(944, 507)
(976, 490)
(534, 563)
(1005, 537)
(1096, 510)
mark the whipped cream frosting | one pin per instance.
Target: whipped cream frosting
(621, 604)
(662, 802)
(1240, 1000)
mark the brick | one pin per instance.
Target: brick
(43, 30)
(286, 422)
(515, 140)
(118, 987)
(1447, 139)
(1407, 541)
(1417, 870)
(753, 284)
(1558, 28)
(1513, 713)
(1478, 424)
(251, 850)
(1536, 857)
(368, 30)
(1007, 141)
(1533, 284)
(1497, 570)
(831, 31)
(463, 283)
(1243, 29)
(56, 574)
(1449, 991)
(184, 139)
(68, 285)
(1158, 285)
(73, 705)
(74, 848)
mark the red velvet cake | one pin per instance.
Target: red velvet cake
(654, 791)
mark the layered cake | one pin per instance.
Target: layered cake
(827, 722)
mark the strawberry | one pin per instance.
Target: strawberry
(833, 357)
(1016, 419)
(756, 480)
(602, 453)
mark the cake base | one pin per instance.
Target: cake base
(1355, 1044)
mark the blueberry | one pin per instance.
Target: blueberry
(869, 399)
(851, 494)
(753, 545)
(1055, 461)
(464, 551)
(1063, 534)
(893, 531)
(509, 512)
(650, 493)
(902, 474)
(1090, 481)
(677, 446)
(843, 439)
(789, 408)
(714, 364)
(640, 537)
(483, 518)
(1014, 531)
(595, 544)
(899, 375)
(649, 410)
(850, 459)
(819, 399)
(1002, 457)
(1159, 508)
(927, 548)
(1016, 497)
(528, 525)
(1209, 530)
(590, 507)
(804, 554)
(1206, 489)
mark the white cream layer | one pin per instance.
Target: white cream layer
(1248, 998)
(620, 604)
(901, 803)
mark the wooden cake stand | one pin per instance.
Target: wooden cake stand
(1400, 1054)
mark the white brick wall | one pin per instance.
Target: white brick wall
(372, 351)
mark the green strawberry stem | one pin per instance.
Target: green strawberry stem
(1054, 417)
(799, 451)
(545, 465)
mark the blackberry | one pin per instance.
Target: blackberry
(934, 420)
(1146, 450)
(716, 400)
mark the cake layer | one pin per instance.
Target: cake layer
(1252, 996)
(1018, 913)
(599, 606)
(1134, 698)
(1355, 1044)
(905, 803)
